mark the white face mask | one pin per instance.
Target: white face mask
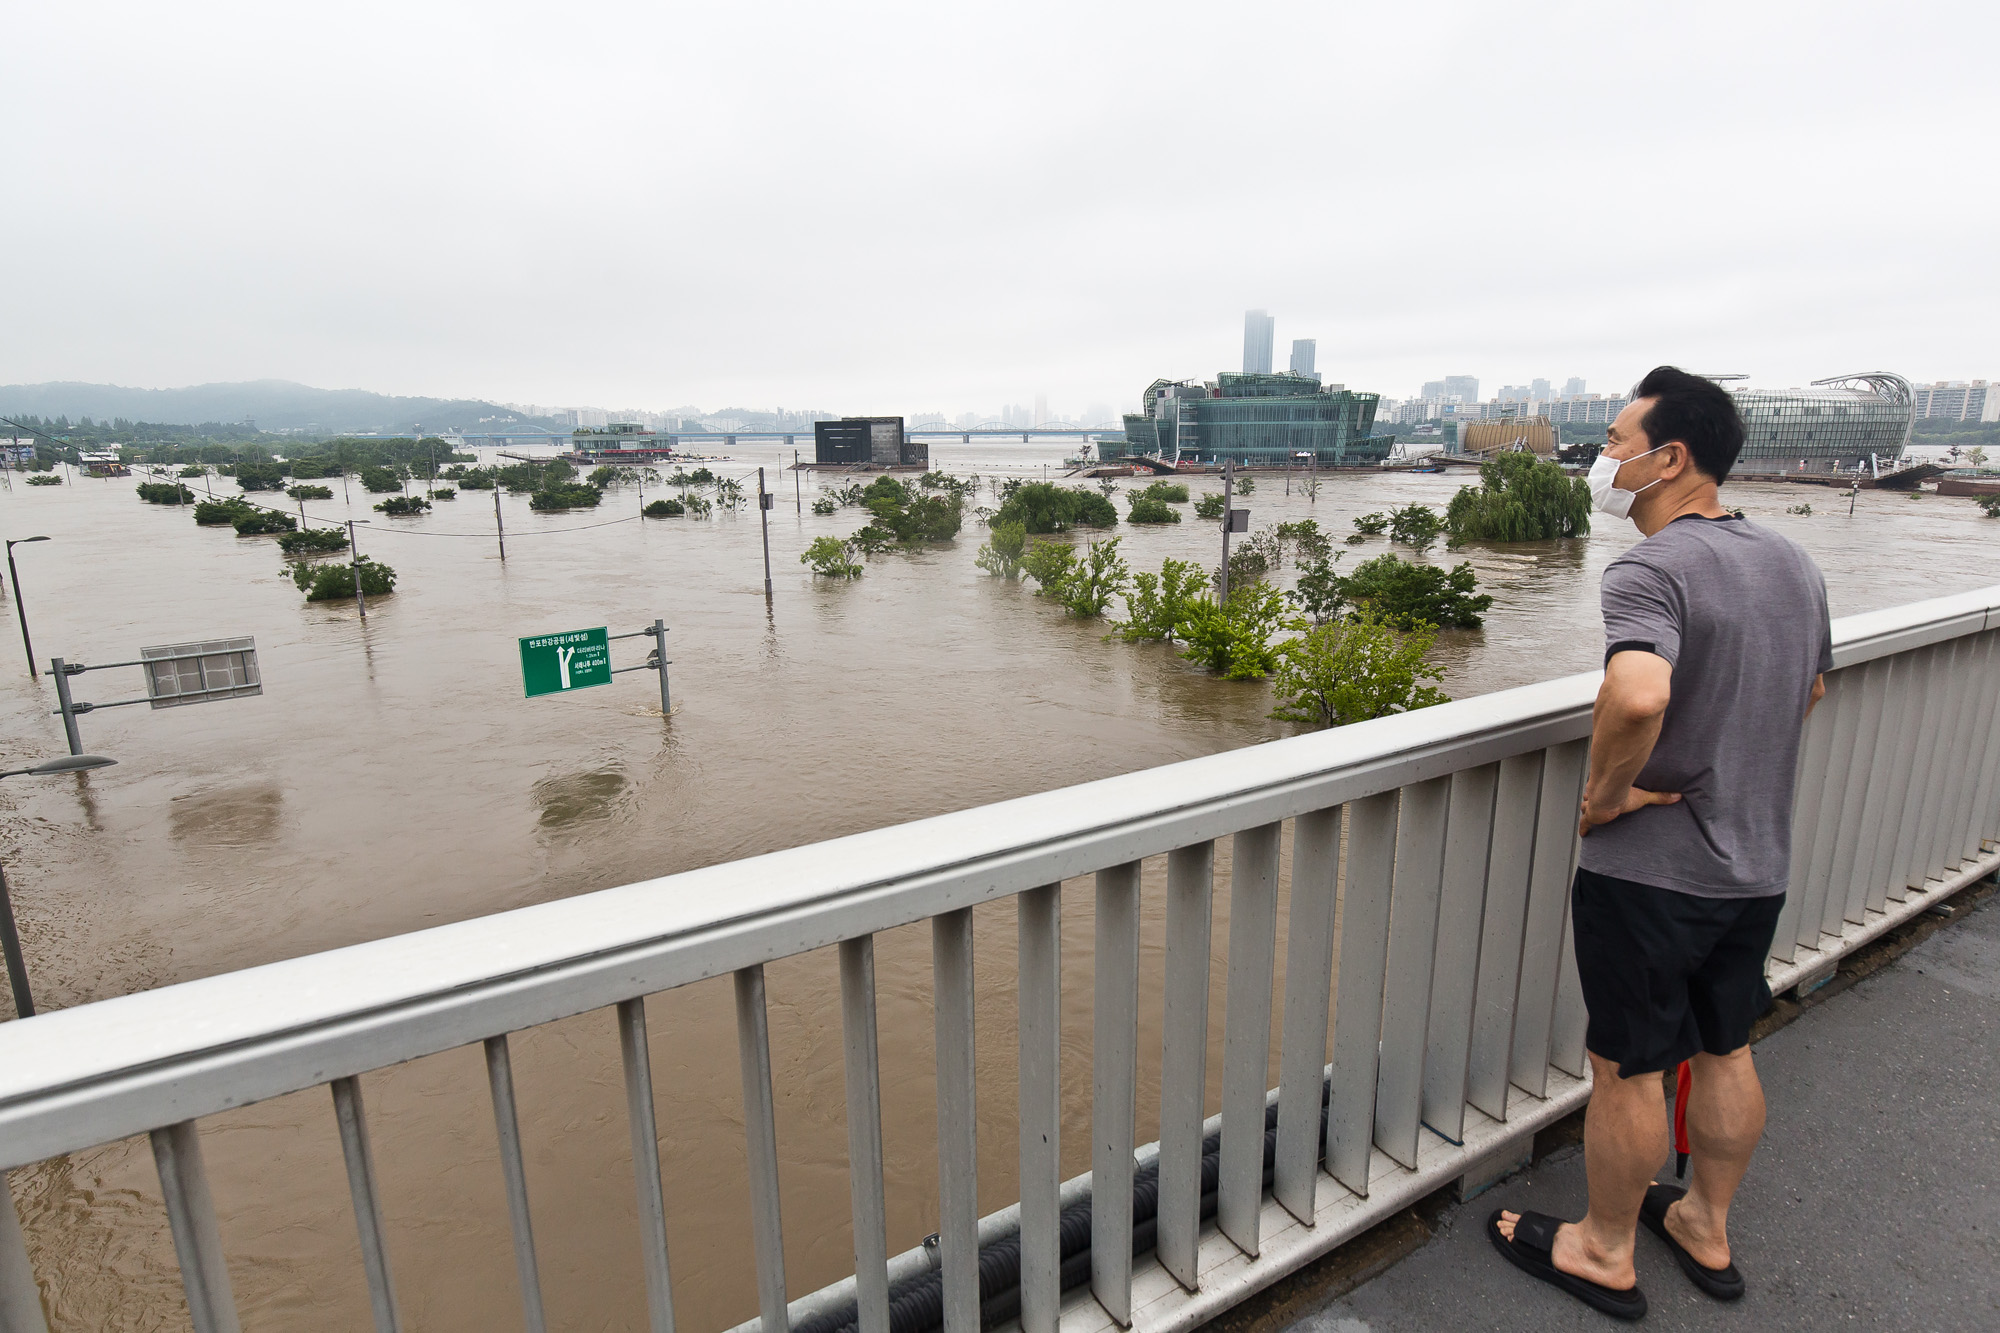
(1603, 480)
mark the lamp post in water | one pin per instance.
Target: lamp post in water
(10, 939)
(22, 611)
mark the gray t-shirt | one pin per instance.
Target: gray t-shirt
(1740, 614)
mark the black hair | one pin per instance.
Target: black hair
(1698, 412)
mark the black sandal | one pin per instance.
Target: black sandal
(1532, 1250)
(1725, 1284)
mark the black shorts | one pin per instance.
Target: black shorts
(1668, 974)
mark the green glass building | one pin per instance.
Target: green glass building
(1257, 420)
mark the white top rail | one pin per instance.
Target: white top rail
(118, 1067)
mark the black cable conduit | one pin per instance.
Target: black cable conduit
(916, 1304)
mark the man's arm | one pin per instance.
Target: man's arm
(1624, 725)
(1818, 693)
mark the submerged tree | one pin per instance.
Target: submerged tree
(1098, 576)
(1042, 506)
(333, 583)
(1521, 498)
(1399, 593)
(566, 495)
(1233, 639)
(1415, 525)
(312, 541)
(1160, 605)
(1000, 556)
(832, 558)
(1048, 564)
(1352, 670)
(256, 522)
(1320, 592)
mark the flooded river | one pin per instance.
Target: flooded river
(391, 777)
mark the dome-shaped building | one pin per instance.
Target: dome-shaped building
(1834, 425)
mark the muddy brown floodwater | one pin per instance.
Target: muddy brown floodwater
(392, 777)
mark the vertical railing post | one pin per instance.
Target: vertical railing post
(958, 1146)
(360, 1159)
(1184, 1057)
(1549, 875)
(1357, 1019)
(1406, 1002)
(507, 1122)
(760, 1131)
(637, 1056)
(197, 1239)
(864, 1133)
(1846, 882)
(1246, 1033)
(1040, 1024)
(20, 1297)
(1113, 1096)
(1510, 863)
(1455, 962)
(1308, 989)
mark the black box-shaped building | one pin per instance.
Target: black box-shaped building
(875, 441)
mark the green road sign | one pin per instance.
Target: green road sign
(553, 663)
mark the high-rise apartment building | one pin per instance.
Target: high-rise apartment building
(1463, 387)
(1433, 390)
(1538, 391)
(1258, 330)
(1304, 351)
(1573, 386)
(1956, 400)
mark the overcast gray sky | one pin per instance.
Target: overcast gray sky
(912, 206)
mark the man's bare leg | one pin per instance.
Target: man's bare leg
(1725, 1119)
(1624, 1144)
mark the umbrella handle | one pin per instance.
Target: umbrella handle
(1683, 1082)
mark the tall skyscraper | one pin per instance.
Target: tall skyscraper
(1304, 350)
(1041, 409)
(1463, 387)
(1258, 329)
(1538, 390)
(1433, 391)
(1573, 386)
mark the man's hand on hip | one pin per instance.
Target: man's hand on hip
(1590, 816)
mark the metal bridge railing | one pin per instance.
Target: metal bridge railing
(1446, 837)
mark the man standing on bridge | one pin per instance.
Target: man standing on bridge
(1717, 640)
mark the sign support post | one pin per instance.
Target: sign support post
(764, 500)
(1228, 519)
(61, 671)
(660, 661)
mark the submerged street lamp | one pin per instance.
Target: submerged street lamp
(10, 939)
(14, 574)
